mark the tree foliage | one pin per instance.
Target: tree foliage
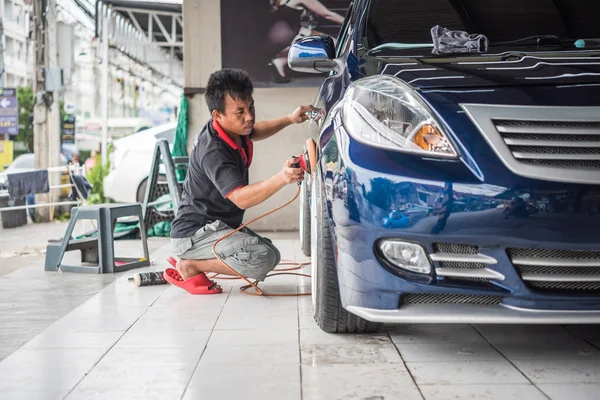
(25, 98)
(26, 103)
(96, 177)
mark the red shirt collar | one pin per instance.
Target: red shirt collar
(247, 158)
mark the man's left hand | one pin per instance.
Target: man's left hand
(302, 114)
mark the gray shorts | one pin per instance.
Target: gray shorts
(251, 255)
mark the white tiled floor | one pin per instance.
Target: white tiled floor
(162, 343)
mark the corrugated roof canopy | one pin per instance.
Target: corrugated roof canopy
(161, 22)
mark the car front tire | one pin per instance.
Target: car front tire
(141, 192)
(328, 311)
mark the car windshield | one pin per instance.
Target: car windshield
(69, 147)
(26, 161)
(409, 22)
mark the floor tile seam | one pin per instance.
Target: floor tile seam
(69, 310)
(552, 359)
(356, 362)
(88, 330)
(187, 385)
(508, 360)
(18, 348)
(477, 384)
(299, 348)
(437, 343)
(562, 384)
(569, 383)
(63, 348)
(104, 354)
(412, 377)
(33, 338)
(594, 346)
(576, 382)
(349, 344)
(457, 360)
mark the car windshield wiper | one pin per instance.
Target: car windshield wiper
(399, 46)
(537, 40)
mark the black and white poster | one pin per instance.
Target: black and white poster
(256, 36)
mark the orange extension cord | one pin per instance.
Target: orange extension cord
(284, 271)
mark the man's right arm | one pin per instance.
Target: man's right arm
(252, 195)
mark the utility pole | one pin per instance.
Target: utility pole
(2, 60)
(40, 135)
(105, 88)
(46, 113)
(54, 123)
(1, 53)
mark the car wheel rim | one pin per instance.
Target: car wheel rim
(314, 239)
(301, 215)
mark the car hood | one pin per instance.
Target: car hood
(447, 105)
(139, 138)
(424, 71)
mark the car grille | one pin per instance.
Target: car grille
(460, 262)
(585, 164)
(422, 298)
(567, 286)
(551, 143)
(455, 248)
(558, 270)
(532, 143)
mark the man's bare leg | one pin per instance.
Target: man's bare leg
(190, 268)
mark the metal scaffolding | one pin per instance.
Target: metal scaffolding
(149, 33)
(128, 27)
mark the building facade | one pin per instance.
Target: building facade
(137, 96)
(17, 51)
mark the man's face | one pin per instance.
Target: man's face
(238, 117)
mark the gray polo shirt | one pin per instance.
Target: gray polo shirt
(217, 167)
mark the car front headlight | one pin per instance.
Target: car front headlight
(383, 112)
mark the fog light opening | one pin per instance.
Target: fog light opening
(408, 256)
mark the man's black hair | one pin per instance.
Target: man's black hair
(229, 81)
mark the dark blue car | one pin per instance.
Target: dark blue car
(491, 153)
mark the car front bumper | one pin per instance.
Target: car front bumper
(513, 225)
(474, 314)
(371, 289)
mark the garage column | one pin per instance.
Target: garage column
(202, 56)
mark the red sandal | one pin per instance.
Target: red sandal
(199, 284)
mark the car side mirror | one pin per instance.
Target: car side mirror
(313, 54)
